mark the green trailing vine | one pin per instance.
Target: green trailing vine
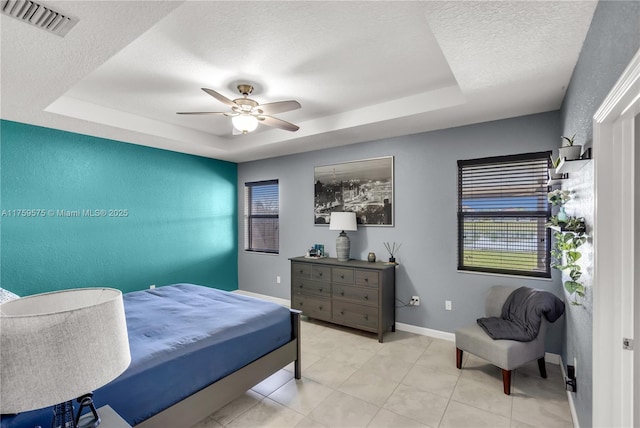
(569, 236)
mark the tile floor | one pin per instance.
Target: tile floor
(351, 380)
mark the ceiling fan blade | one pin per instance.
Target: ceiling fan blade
(202, 112)
(279, 107)
(219, 97)
(278, 123)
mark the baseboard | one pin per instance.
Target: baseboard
(410, 328)
(283, 302)
(426, 331)
(572, 406)
(451, 337)
(552, 358)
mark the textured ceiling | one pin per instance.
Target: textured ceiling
(361, 70)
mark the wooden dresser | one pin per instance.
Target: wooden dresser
(355, 293)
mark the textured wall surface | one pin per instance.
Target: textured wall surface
(612, 40)
(425, 217)
(180, 224)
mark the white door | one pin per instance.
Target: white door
(616, 290)
(636, 329)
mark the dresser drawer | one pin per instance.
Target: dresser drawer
(321, 273)
(355, 315)
(359, 294)
(301, 270)
(367, 278)
(308, 286)
(342, 275)
(314, 307)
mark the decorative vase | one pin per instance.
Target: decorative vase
(371, 257)
(562, 215)
(392, 260)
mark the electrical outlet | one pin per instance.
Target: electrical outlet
(447, 305)
(278, 280)
(152, 286)
(415, 301)
(570, 380)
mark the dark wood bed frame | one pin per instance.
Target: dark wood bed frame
(201, 404)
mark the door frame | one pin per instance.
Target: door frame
(613, 238)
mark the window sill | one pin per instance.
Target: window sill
(260, 253)
(504, 275)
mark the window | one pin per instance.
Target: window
(261, 209)
(502, 211)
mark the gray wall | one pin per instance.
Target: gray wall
(425, 217)
(612, 40)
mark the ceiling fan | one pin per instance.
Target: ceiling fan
(246, 113)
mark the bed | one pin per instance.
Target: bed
(180, 374)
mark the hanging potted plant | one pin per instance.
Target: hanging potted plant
(552, 171)
(569, 150)
(566, 256)
(568, 237)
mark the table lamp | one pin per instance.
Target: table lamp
(59, 346)
(343, 221)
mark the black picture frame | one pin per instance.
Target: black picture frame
(365, 187)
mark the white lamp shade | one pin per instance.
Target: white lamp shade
(343, 221)
(245, 122)
(57, 346)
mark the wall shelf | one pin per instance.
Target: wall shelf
(567, 166)
(561, 228)
(557, 181)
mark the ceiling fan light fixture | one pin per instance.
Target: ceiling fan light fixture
(245, 123)
(247, 113)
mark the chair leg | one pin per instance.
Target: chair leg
(542, 367)
(459, 358)
(506, 381)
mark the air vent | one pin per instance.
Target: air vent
(39, 16)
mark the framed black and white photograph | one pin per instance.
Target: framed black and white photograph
(364, 187)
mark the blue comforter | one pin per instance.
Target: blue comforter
(182, 338)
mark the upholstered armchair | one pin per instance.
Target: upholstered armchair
(506, 354)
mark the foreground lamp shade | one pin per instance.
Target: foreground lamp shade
(343, 221)
(57, 346)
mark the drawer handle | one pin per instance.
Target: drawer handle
(320, 307)
(342, 276)
(320, 274)
(366, 317)
(300, 285)
(341, 312)
(342, 293)
(366, 279)
(301, 271)
(320, 290)
(366, 297)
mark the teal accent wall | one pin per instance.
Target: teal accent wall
(180, 223)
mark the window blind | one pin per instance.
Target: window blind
(502, 211)
(261, 215)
